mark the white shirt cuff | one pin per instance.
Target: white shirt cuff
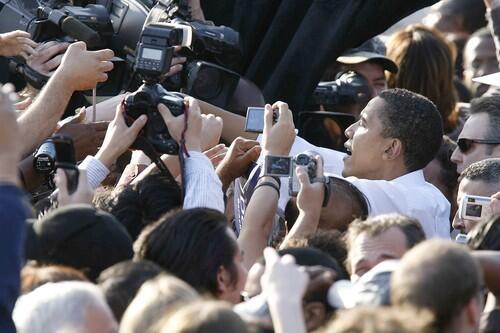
(96, 171)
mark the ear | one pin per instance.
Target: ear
(314, 315)
(393, 149)
(223, 281)
(472, 311)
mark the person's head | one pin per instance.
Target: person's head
(368, 60)
(460, 17)
(119, 283)
(441, 277)
(33, 276)
(380, 238)
(399, 132)
(70, 306)
(142, 203)
(197, 246)
(482, 179)
(377, 319)
(480, 137)
(479, 59)
(78, 236)
(426, 64)
(441, 171)
(154, 300)
(204, 317)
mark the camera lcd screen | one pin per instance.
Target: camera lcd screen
(473, 210)
(255, 120)
(278, 165)
(153, 54)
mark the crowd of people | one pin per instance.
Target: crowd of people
(399, 233)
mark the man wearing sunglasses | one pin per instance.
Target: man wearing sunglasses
(480, 137)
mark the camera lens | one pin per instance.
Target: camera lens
(302, 159)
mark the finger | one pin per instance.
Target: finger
(178, 60)
(61, 183)
(302, 176)
(27, 42)
(45, 45)
(248, 144)
(165, 113)
(268, 117)
(253, 154)
(23, 104)
(28, 49)
(19, 33)
(24, 55)
(319, 166)
(54, 62)
(106, 66)
(174, 70)
(284, 112)
(218, 158)
(271, 256)
(288, 259)
(496, 196)
(194, 106)
(103, 77)
(215, 150)
(78, 45)
(104, 55)
(138, 125)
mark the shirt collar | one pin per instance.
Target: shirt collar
(414, 177)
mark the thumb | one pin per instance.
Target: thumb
(78, 45)
(270, 256)
(61, 183)
(165, 113)
(138, 124)
(302, 176)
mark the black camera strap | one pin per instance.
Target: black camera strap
(183, 152)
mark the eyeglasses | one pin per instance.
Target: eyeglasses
(465, 144)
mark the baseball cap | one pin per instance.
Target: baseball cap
(372, 49)
(78, 236)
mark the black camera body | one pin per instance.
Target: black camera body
(349, 88)
(145, 101)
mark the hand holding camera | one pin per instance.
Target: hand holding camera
(177, 124)
(81, 194)
(311, 195)
(17, 43)
(278, 138)
(48, 57)
(119, 137)
(82, 69)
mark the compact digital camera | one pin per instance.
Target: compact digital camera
(475, 208)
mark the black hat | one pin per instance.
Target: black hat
(372, 49)
(78, 236)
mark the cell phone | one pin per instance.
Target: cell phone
(278, 166)
(66, 160)
(254, 121)
(475, 208)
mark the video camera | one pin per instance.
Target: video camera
(349, 88)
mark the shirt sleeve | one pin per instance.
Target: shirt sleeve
(13, 214)
(202, 187)
(96, 171)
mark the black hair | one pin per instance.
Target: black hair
(448, 173)
(487, 171)
(472, 12)
(416, 122)
(491, 106)
(120, 283)
(191, 244)
(144, 202)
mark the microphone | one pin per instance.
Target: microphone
(78, 30)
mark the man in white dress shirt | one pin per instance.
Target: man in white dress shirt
(397, 135)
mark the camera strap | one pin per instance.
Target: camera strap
(183, 152)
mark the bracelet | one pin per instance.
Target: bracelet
(271, 184)
(277, 179)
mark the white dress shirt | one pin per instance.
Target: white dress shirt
(203, 187)
(409, 195)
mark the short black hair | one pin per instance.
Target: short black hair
(491, 106)
(448, 173)
(487, 171)
(191, 244)
(120, 283)
(472, 12)
(415, 120)
(142, 203)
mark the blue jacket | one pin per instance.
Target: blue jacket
(13, 214)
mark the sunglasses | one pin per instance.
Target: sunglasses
(465, 144)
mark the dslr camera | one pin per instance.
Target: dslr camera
(284, 166)
(154, 55)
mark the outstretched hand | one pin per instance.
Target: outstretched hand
(311, 194)
(278, 138)
(17, 43)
